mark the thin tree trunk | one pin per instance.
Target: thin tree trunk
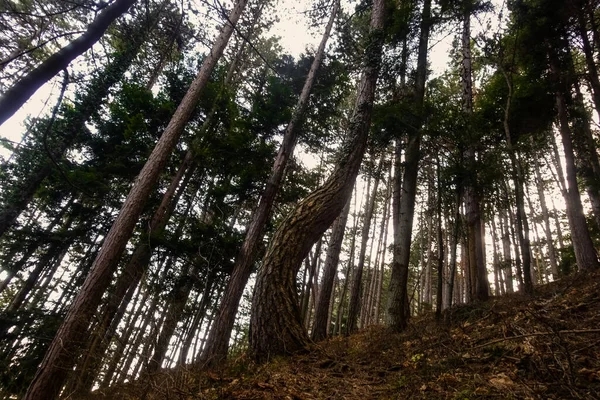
(398, 306)
(454, 245)
(20, 92)
(592, 73)
(349, 272)
(312, 271)
(356, 289)
(546, 216)
(440, 239)
(65, 347)
(518, 181)
(477, 268)
(319, 331)
(585, 254)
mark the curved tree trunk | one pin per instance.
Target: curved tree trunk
(21, 91)
(65, 347)
(275, 324)
(217, 343)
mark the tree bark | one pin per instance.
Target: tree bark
(218, 339)
(477, 268)
(52, 373)
(356, 288)
(275, 325)
(21, 91)
(546, 216)
(440, 240)
(398, 307)
(585, 254)
(518, 181)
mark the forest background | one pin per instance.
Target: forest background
(182, 150)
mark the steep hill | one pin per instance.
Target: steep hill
(514, 347)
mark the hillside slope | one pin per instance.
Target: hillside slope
(546, 347)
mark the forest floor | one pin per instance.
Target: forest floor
(511, 347)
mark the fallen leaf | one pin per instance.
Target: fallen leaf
(501, 381)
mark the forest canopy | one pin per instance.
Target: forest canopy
(192, 191)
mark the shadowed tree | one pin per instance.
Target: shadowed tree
(218, 339)
(275, 323)
(20, 92)
(65, 347)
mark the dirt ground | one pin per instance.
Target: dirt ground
(514, 347)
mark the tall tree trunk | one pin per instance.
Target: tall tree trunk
(546, 216)
(275, 325)
(477, 268)
(454, 244)
(585, 254)
(398, 306)
(319, 330)
(440, 239)
(129, 279)
(384, 226)
(20, 92)
(518, 181)
(592, 69)
(349, 271)
(356, 289)
(587, 154)
(52, 373)
(218, 339)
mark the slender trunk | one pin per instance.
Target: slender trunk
(454, 244)
(312, 271)
(518, 181)
(440, 240)
(349, 272)
(319, 331)
(21, 91)
(65, 347)
(275, 326)
(587, 156)
(592, 69)
(477, 268)
(356, 289)
(218, 339)
(506, 254)
(398, 306)
(585, 254)
(385, 225)
(546, 216)
(498, 278)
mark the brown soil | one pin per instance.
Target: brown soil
(514, 347)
